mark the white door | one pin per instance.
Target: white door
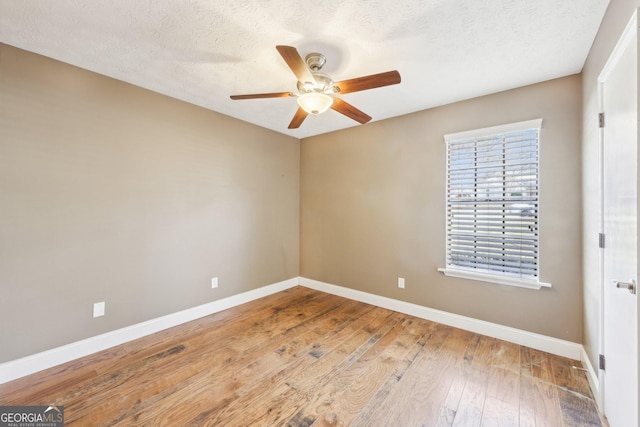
(620, 221)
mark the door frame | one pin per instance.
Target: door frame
(630, 30)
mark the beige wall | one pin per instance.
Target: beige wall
(373, 209)
(618, 14)
(109, 192)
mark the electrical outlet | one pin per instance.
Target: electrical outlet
(401, 282)
(98, 309)
(214, 282)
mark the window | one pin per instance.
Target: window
(492, 204)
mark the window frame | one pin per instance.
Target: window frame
(483, 275)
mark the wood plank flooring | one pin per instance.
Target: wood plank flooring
(303, 357)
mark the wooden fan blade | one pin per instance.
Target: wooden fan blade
(350, 111)
(298, 118)
(296, 63)
(264, 95)
(368, 82)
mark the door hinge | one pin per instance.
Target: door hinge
(601, 120)
(601, 240)
(601, 362)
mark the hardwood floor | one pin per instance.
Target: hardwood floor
(301, 358)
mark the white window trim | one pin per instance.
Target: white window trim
(494, 278)
(499, 279)
(477, 133)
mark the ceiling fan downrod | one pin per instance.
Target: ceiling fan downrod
(315, 61)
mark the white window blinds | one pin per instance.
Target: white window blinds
(492, 200)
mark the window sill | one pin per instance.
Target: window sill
(494, 278)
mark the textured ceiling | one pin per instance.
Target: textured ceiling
(202, 51)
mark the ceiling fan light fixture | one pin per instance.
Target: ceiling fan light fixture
(315, 102)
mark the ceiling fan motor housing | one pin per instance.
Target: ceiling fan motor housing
(323, 84)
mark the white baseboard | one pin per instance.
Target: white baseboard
(594, 381)
(517, 336)
(37, 362)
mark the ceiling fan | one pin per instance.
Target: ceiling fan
(317, 91)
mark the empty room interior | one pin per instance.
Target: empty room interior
(319, 213)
